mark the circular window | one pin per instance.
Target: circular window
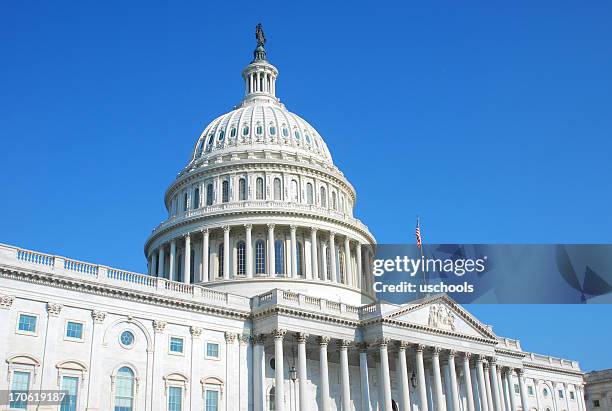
(272, 363)
(126, 338)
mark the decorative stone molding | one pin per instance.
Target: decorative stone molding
(54, 309)
(6, 301)
(159, 326)
(420, 348)
(362, 347)
(403, 345)
(279, 334)
(226, 228)
(344, 344)
(244, 339)
(383, 341)
(435, 351)
(481, 358)
(452, 354)
(230, 338)
(259, 339)
(196, 332)
(466, 356)
(98, 316)
(493, 361)
(323, 340)
(302, 337)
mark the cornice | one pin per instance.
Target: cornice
(553, 369)
(510, 353)
(310, 315)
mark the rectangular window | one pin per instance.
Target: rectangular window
(27, 323)
(70, 385)
(572, 395)
(212, 400)
(176, 345)
(74, 330)
(517, 389)
(596, 403)
(19, 390)
(530, 390)
(212, 350)
(175, 395)
(561, 394)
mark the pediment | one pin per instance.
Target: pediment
(441, 314)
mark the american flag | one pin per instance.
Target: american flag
(418, 234)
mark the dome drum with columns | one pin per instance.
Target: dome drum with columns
(261, 205)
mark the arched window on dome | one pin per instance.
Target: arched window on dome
(279, 256)
(196, 198)
(334, 201)
(259, 188)
(233, 132)
(272, 130)
(299, 256)
(209, 194)
(340, 263)
(241, 254)
(307, 137)
(225, 191)
(260, 257)
(245, 131)
(342, 203)
(221, 258)
(211, 139)
(259, 130)
(185, 202)
(294, 191)
(328, 262)
(242, 189)
(124, 389)
(200, 148)
(297, 134)
(309, 193)
(221, 135)
(285, 132)
(278, 191)
(323, 197)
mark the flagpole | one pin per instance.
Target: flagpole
(420, 245)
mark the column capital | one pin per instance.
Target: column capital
(343, 344)
(452, 354)
(6, 301)
(420, 348)
(481, 358)
(332, 234)
(436, 351)
(323, 340)
(226, 228)
(520, 372)
(244, 339)
(98, 316)
(204, 231)
(196, 332)
(383, 341)
(271, 226)
(314, 229)
(279, 334)
(302, 337)
(493, 361)
(293, 227)
(403, 345)
(259, 339)
(230, 337)
(362, 347)
(485, 365)
(187, 235)
(248, 226)
(159, 326)
(54, 309)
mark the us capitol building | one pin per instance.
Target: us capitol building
(258, 297)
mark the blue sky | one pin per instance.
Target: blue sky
(491, 121)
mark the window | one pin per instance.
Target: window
(242, 189)
(285, 132)
(221, 135)
(19, 390)
(517, 389)
(175, 395)
(260, 257)
(309, 193)
(70, 385)
(334, 205)
(259, 188)
(212, 350)
(185, 202)
(340, 263)
(572, 395)
(209, 194)
(596, 403)
(294, 191)
(272, 399)
(225, 191)
(240, 251)
(272, 130)
(545, 392)
(245, 131)
(220, 254)
(176, 345)
(211, 138)
(259, 130)
(124, 390)
(561, 394)
(126, 338)
(297, 135)
(233, 132)
(307, 138)
(328, 262)
(196, 198)
(279, 255)
(27, 323)
(530, 390)
(212, 400)
(300, 259)
(74, 330)
(277, 189)
(323, 197)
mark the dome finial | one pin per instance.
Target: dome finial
(260, 51)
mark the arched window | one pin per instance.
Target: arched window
(241, 253)
(309, 193)
(285, 132)
(328, 262)
(341, 265)
(259, 130)
(242, 189)
(233, 132)
(334, 203)
(259, 188)
(272, 130)
(297, 134)
(277, 189)
(124, 389)
(279, 255)
(260, 257)
(185, 203)
(299, 254)
(294, 191)
(221, 135)
(272, 399)
(342, 203)
(225, 191)
(323, 197)
(221, 258)
(209, 194)
(196, 198)
(245, 131)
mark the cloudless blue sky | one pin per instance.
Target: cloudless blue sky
(492, 121)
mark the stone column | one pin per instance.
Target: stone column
(294, 271)
(344, 375)
(487, 387)
(187, 256)
(523, 389)
(205, 256)
(161, 268)
(386, 378)
(94, 396)
(302, 368)
(495, 385)
(279, 371)
(510, 382)
(581, 397)
(248, 255)
(503, 390)
(271, 250)
(435, 360)
(324, 377)
(325, 275)
(469, 390)
(566, 395)
(153, 263)
(313, 254)
(453, 380)
(402, 370)
(363, 371)
(259, 374)
(172, 276)
(347, 261)
(332, 257)
(482, 390)
(359, 275)
(226, 252)
(195, 394)
(421, 376)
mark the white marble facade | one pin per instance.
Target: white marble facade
(258, 297)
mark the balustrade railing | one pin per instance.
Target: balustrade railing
(131, 277)
(80, 267)
(35, 258)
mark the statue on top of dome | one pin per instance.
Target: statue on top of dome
(259, 35)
